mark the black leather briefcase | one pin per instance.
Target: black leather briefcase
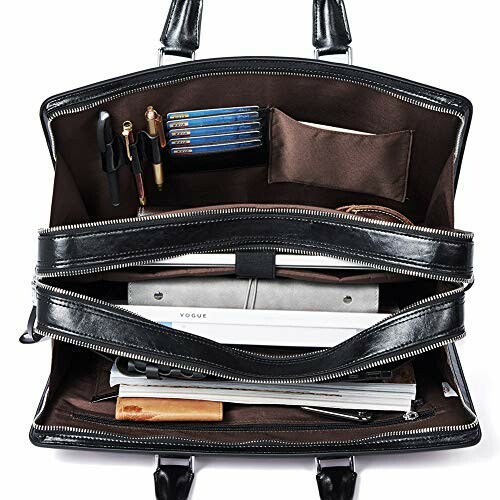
(383, 198)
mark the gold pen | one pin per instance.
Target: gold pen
(128, 137)
(155, 129)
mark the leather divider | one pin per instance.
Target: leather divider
(375, 164)
(98, 325)
(88, 248)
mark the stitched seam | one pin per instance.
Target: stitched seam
(169, 20)
(228, 241)
(196, 28)
(186, 224)
(322, 354)
(344, 223)
(366, 443)
(315, 24)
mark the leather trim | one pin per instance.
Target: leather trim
(87, 248)
(336, 483)
(173, 482)
(377, 445)
(181, 33)
(104, 326)
(331, 33)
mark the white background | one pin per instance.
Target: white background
(51, 46)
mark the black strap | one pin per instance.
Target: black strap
(336, 483)
(173, 482)
(181, 33)
(99, 325)
(258, 265)
(88, 248)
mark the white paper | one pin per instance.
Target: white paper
(262, 327)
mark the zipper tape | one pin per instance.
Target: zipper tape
(102, 246)
(97, 325)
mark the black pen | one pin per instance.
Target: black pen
(104, 140)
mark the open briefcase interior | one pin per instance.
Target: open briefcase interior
(348, 164)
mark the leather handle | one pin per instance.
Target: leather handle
(181, 33)
(336, 483)
(173, 481)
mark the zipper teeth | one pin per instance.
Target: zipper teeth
(77, 109)
(465, 235)
(108, 436)
(215, 373)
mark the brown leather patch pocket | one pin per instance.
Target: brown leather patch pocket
(375, 164)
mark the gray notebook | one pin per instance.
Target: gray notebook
(234, 293)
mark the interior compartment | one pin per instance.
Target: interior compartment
(77, 374)
(429, 187)
(395, 290)
(413, 175)
(373, 164)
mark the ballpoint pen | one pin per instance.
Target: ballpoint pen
(104, 140)
(155, 128)
(132, 154)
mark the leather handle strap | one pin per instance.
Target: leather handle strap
(336, 483)
(173, 481)
(181, 33)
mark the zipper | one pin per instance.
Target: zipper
(358, 81)
(219, 374)
(463, 235)
(258, 443)
(96, 419)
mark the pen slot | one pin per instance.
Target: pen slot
(375, 164)
(148, 147)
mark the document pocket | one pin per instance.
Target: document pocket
(375, 164)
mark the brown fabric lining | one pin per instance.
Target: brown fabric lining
(317, 100)
(372, 164)
(71, 406)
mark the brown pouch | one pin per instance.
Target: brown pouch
(375, 164)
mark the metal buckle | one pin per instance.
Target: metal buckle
(165, 59)
(345, 58)
(162, 460)
(320, 463)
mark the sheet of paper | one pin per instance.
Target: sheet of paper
(262, 327)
